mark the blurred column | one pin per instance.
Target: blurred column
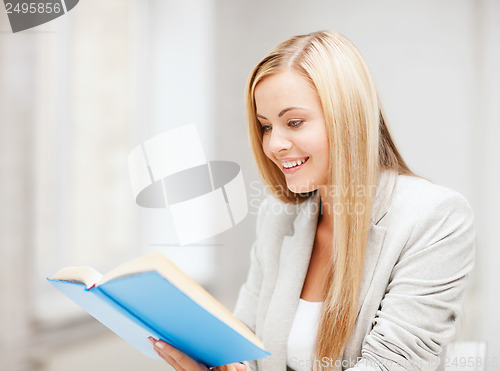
(175, 86)
(17, 107)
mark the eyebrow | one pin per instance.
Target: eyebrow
(281, 113)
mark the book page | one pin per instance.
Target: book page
(87, 276)
(158, 262)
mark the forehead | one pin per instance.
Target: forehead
(284, 88)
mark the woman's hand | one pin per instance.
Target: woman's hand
(182, 362)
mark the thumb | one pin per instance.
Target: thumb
(239, 367)
(231, 367)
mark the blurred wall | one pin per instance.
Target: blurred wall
(436, 65)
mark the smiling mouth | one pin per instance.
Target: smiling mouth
(291, 166)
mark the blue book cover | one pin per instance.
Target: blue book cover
(150, 296)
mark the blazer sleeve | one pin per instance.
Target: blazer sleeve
(418, 313)
(246, 304)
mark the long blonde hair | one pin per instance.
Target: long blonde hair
(359, 147)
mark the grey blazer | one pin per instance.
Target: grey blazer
(420, 250)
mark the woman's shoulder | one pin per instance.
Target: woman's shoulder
(423, 215)
(417, 198)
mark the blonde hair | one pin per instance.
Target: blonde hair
(359, 147)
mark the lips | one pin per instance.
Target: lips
(290, 166)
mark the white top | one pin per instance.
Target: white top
(303, 335)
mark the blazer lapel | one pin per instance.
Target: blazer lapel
(294, 261)
(381, 201)
(380, 207)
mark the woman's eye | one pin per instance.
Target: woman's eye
(295, 123)
(265, 128)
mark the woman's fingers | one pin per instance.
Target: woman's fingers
(170, 361)
(182, 362)
(231, 367)
(240, 367)
(162, 355)
(177, 359)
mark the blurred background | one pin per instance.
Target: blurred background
(79, 93)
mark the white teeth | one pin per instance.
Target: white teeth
(290, 164)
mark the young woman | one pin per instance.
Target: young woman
(359, 263)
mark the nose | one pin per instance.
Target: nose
(278, 141)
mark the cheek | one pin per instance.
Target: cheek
(317, 145)
(265, 146)
(324, 154)
(324, 150)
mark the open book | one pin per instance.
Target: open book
(150, 296)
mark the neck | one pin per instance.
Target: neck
(326, 213)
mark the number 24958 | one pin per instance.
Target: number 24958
(33, 8)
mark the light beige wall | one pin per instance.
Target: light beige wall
(103, 353)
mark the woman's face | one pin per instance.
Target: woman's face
(294, 130)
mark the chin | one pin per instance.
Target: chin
(301, 188)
